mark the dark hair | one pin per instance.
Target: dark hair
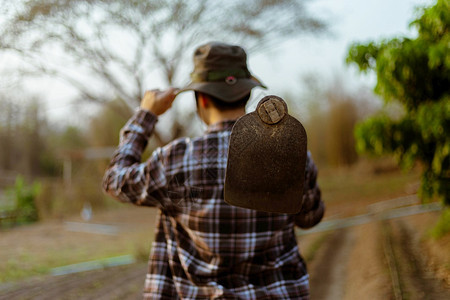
(222, 105)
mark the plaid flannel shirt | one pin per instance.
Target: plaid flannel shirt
(205, 248)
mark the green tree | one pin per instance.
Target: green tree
(414, 72)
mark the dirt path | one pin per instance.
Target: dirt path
(380, 260)
(416, 281)
(125, 282)
(328, 272)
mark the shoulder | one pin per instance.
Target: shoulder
(192, 146)
(177, 145)
(181, 145)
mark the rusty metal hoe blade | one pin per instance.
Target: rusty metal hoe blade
(266, 160)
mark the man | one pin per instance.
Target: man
(205, 248)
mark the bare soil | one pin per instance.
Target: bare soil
(354, 263)
(367, 273)
(334, 253)
(125, 282)
(417, 281)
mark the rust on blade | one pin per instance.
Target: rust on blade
(266, 160)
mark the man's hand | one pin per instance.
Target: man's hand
(158, 102)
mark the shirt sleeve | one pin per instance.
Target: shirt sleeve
(313, 207)
(127, 178)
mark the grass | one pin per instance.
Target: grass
(347, 192)
(34, 250)
(28, 264)
(343, 185)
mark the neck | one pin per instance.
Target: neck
(216, 116)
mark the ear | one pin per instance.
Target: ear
(203, 100)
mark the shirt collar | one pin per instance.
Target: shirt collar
(221, 126)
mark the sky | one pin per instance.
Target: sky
(282, 68)
(350, 21)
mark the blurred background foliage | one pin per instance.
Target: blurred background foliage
(46, 151)
(414, 72)
(23, 206)
(69, 160)
(329, 112)
(107, 53)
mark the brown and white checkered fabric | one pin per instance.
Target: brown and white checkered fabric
(205, 248)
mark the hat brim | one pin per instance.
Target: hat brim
(224, 91)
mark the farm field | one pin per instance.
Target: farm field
(384, 256)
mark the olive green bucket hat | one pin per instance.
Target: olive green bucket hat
(220, 70)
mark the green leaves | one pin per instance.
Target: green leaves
(415, 73)
(364, 56)
(411, 71)
(433, 119)
(24, 197)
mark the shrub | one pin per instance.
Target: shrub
(24, 196)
